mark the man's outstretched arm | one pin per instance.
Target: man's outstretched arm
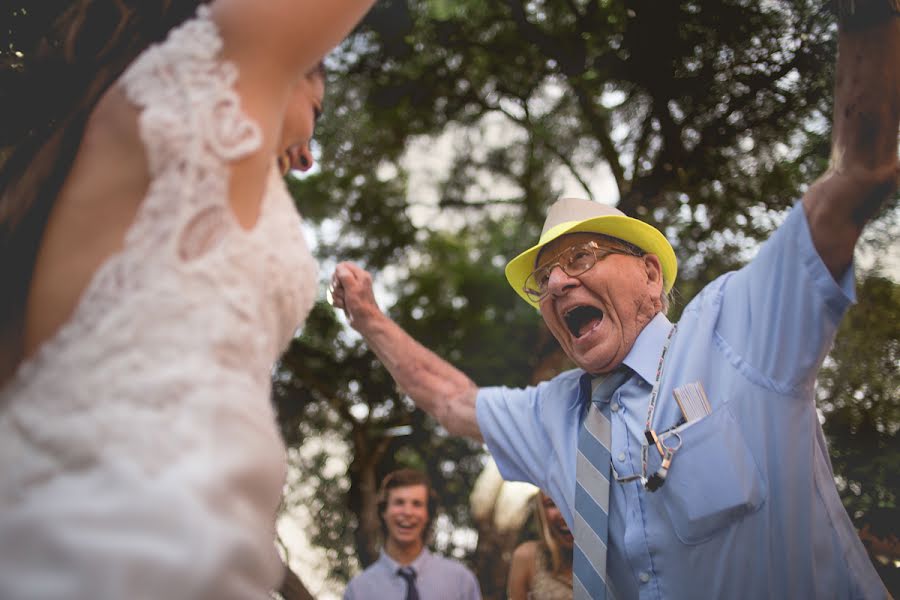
(863, 172)
(436, 386)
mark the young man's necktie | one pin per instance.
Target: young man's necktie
(409, 574)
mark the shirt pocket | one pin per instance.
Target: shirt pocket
(713, 481)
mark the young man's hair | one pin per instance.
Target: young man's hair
(406, 478)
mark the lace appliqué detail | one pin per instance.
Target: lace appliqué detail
(193, 126)
(163, 371)
(545, 585)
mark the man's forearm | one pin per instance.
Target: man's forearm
(436, 386)
(867, 99)
(862, 175)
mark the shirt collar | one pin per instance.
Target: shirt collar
(643, 358)
(417, 564)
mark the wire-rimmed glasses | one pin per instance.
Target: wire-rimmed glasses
(574, 261)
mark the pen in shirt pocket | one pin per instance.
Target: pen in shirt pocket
(692, 400)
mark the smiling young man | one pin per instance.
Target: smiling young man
(406, 570)
(689, 461)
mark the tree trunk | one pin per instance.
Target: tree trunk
(499, 523)
(292, 588)
(364, 494)
(492, 556)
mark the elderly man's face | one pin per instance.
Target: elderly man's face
(597, 316)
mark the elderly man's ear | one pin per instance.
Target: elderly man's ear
(653, 268)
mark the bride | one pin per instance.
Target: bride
(153, 270)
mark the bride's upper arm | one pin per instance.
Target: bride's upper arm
(273, 43)
(286, 36)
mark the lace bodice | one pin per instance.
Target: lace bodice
(545, 585)
(138, 447)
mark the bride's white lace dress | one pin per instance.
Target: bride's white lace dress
(139, 454)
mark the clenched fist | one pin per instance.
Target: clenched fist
(351, 290)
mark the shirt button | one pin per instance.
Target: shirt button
(644, 577)
(614, 406)
(621, 457)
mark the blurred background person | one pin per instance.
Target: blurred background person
(541, 569)
(406, 569)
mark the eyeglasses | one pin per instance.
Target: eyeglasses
(574, 261)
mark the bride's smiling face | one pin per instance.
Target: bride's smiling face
(303, 110)
(558, 527)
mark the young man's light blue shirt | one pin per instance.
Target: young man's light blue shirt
(749, 508)
(437, 578)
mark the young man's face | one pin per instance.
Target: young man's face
(406, 515)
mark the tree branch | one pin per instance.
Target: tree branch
(600, 128)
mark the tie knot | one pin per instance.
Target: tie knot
(407, 573)
(605, 385)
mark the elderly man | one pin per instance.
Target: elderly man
(688, 459)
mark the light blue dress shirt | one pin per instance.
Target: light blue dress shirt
(437, 578)
(749, 508)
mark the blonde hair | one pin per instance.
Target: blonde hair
(547, 539)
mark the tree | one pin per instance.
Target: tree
(350, 396)
(709, 117)
(859, 397)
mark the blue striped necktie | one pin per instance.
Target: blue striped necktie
(592, 492)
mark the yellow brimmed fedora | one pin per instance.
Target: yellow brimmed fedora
(574, 215)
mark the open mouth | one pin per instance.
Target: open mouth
(582, 319)
(563, 531)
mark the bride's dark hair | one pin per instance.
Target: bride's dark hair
(60, 58)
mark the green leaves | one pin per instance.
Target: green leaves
(442, 10)
(451, 126)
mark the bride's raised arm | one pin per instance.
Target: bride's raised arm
(277, 46)
(283, 38)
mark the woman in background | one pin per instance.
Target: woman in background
(153, 270)
(542, 569)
